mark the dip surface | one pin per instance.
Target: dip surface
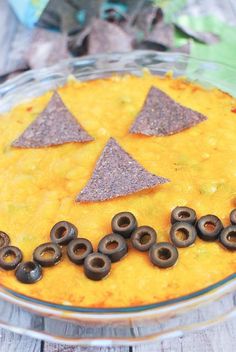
(39, 186)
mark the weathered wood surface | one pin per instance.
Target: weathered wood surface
(219, 338)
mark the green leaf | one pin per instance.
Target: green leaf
(224, 52)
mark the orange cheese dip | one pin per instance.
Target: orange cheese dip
(39, 186)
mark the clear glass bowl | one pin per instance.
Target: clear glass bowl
(116, 326)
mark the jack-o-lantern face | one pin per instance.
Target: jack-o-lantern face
(116, 173)
(110, 165)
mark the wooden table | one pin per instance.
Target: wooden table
(216, 339)
(220, 338)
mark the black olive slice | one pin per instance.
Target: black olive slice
(63, 232)
(183, 234)
(28, 272)
(209, 227)
(97, 266)
(232, 217)
(124, 224)
(47, 254)
(10, 257)
(183, 214)
(114, 246)
(143, 238)
(228, 237)
(78, 250)
(163, 254)
(4, 239)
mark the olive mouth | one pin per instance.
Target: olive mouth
(97, 263)
(143, 238)
(78, 250)
(47, 254)
(123, 222)
(164, 253)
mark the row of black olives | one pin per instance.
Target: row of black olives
(111, 248)
(45, 255)
(97, 265)
(186, 227)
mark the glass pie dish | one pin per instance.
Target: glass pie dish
(116, 326)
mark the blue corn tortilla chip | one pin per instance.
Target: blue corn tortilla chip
(117, 174)
(108, 37)
(54, 126)
(162, 116)
(47, 48)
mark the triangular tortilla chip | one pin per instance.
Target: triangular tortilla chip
(162, 116)
(117, 174)
(106, 37)
(55, 125)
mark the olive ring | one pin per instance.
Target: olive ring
(54, 254)
(163, 254)
(124, 224)
(183, 214)
(14, 254)
(114, 246)
(143, 238)
(97, 266)
(183, 234)
(29, 272)
(228, 237)
(78, 250)
(63, 232)
(209, 227)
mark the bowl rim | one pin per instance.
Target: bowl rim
(165, 56)
(7, 90)
(196, 298)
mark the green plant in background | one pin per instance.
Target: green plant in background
(224, 51)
